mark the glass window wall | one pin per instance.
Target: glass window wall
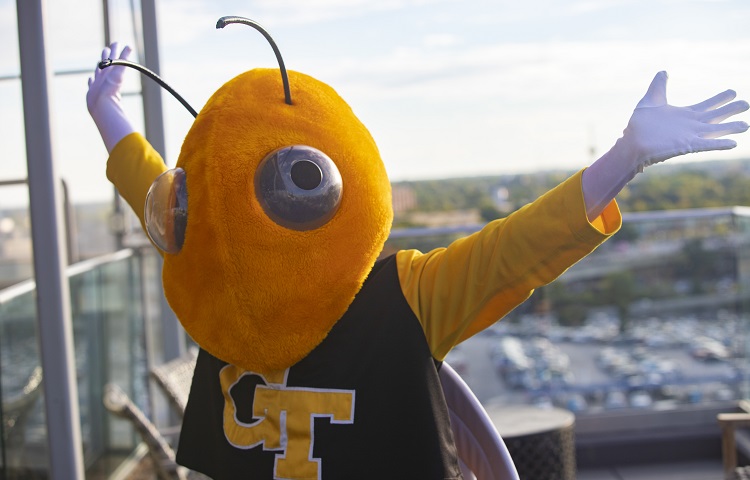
(110, 346)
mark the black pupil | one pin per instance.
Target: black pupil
(306, 175)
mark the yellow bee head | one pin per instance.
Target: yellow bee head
(284, 208)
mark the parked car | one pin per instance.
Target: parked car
(640, 399)
(456, 358)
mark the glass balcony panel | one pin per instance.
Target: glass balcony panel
(109, 343)
(24, 432)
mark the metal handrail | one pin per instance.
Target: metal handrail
(26, 286)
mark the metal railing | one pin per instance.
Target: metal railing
(110, 321)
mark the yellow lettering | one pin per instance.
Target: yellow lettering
(285, 422)
(301, 406)
(239, 434)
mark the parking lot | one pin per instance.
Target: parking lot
(590, 375)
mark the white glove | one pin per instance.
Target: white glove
(658, 131)
(103, 99)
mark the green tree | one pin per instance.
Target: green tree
(619, 290)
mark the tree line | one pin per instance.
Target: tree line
(666, 187)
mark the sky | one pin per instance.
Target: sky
(448, 88)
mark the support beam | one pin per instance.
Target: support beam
(173, 334)
(53, 298)
(152, 106)
(117, 223)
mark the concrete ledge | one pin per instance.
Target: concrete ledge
(639, 437)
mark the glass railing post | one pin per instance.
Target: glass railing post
(153, 115)
(3, 459)
(55, 330)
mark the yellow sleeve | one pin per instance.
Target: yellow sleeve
(460, 290)
(132, 167)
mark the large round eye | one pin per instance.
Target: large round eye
(166, 210)
(298, 187)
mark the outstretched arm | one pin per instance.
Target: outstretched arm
(133, 164)
(103, 99)
(656, 132)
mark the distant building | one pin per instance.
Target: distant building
(15, 249)
(501, 199)
(404, 198)
(451, 218)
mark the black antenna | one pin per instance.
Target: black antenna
(109, 62)
(224, 21)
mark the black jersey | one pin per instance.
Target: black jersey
(365, 404)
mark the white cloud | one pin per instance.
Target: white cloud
(442, 102)
(8, 39)
(441, 40)
(182, 21)
(541, 105)
(534, 71)
(588, 6)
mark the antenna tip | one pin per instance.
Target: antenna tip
(222, 22)
(105, 63)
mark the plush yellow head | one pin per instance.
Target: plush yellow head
(248, 290)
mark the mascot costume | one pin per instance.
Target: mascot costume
(318, 359)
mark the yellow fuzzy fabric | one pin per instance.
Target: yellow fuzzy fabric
(247, 290)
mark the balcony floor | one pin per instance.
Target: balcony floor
(701, 470)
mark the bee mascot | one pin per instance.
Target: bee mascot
(318, 359)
